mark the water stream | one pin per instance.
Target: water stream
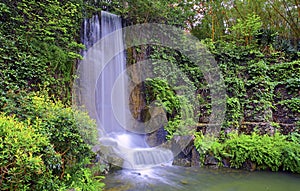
(172, 178)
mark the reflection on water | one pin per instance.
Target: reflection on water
(200, 179)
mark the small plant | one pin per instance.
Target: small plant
(84, 180)
(247, 29)
(177, 107)
(207, 145)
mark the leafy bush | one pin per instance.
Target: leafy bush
(266, 152)
(207, 145)
(60, 124)
(84, 180)
(55, 141)
(22, 150)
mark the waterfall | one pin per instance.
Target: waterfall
(105, 96)
(102, 88)
(90, 32)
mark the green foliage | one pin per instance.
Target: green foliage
(266, 152)
(179, 126)
(257, 83)
(22, 150)
(245, 30)
(177, 107)
(20, 69)
(206, 145)
(38, 45)
(61, 148)
(163, 94)
(219, 16)
(234, 112)
(175, 88)
(84, 180)
(293, 104)
(291, 154)
(169, 12)
(286, 74)
(60, 124)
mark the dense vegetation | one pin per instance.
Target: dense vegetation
(42, 139)
(277, 152)
(43, 144)
(43, 148)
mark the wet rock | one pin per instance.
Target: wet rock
(183, 181)
(137, 173)
(156, 138)
(211, 160)
(180, 144)
(226, 162)
(195, 160)
(249, 165)
(182, 162)
(107, 156)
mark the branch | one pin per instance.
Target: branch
(284, 18)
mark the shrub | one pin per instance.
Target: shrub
(22, 149)
(55, 136)
(266, 152)
(207, 145)
(60, 124)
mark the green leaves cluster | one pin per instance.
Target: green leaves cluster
(245, 30)
(170, 12)
(266, 152)
(22, 150)
(176, 107)
(44, 146)
(39, 45)
(218, 16)
(174, 89)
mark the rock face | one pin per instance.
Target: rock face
(189, 159)
(156, 138)
(211, 160)
(107, 156)
(187, 155)
(137, 98)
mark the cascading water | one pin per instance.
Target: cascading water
(91, 32)
(105, 83)
(105, 95)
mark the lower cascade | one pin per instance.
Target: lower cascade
(137, 157)
(104, 94)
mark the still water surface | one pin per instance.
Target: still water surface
(170, 178)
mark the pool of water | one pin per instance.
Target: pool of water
(169, 178)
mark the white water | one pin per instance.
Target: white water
(90, 33)
(109, 94)
(105, 96)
